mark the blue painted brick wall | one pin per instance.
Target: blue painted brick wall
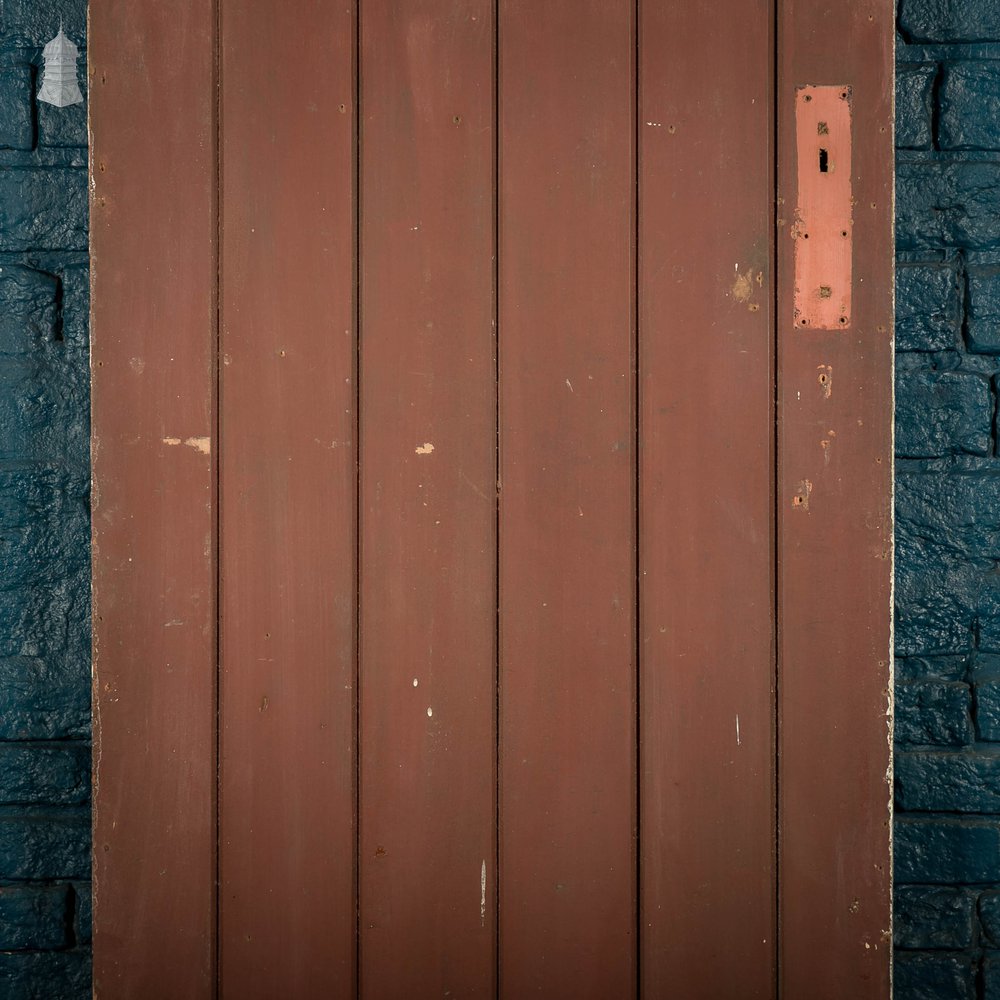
(44, 527)
(947, 836)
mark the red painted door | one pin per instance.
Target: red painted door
(492, 527)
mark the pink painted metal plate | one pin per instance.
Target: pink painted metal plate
(822, 229)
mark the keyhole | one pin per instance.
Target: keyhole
(823, 162)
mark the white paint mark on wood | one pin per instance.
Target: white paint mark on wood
(415, 682)
(482, 895)
(570, 384)
(738, 742)
(424, 449)
(430, 712)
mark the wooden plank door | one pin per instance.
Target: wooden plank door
(834, 511)
(427, 849)
(567, 499)
(154, 264)
(492, 529)
(706, 320)
(287, 498)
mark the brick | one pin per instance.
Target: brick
(947, 543)
(43, 209)
(936, 601)
(37, 701)
(936, 597)
(940, 413)
(946, 850)
(984, 666)
(17, 126)
(914, 109)
(31, 408)
(964, 781)
(933, 917)
(987, 619)
(45, 844)
(983, 309)
(933, 976)
(53, 975)
(28, 300)
(950, 20)
(42, 700)
(989, 917)
(921, 668)
(65, 127)
(30, 23)
(928, 307)
(969, 103)
(24, 612)
(45, 521)
(947, 203)
(33, 916)
(991, 976)
(987, 709)
(54, 774)
(934, 712)
(83, 914)
(42, 412)
(76, 308)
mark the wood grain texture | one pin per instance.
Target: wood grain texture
(428, 501)
(153, 342)
(706, 510)
(288, 498)
(835, 536)
(567, 529)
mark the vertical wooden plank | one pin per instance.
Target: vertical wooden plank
(835, 533)
(706, 486)
(288, 500)
(153, 228)
(567, 555)
(428, 500)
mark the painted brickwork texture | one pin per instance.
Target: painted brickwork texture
(44, 528)
(947, 834)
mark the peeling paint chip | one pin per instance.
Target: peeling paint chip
(801, 497)
(743, 287)
(482, 895)
(424, 449)
(202, 444)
